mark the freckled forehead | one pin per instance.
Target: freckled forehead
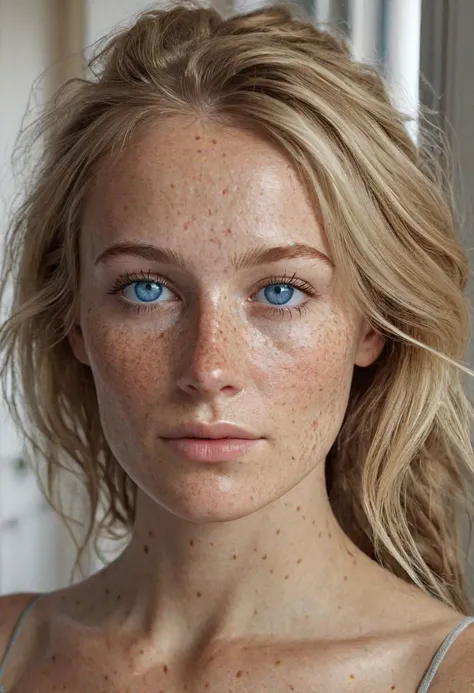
(197, 157)
(182, 173)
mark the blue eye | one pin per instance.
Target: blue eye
(281, 295)
(278, 294)
(145, 291)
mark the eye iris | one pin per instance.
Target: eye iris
(148, 291)
(278, 293)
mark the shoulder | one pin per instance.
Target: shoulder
(456, 672)
(11, 607)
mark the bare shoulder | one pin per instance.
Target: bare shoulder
(11, 607)
(456, 672)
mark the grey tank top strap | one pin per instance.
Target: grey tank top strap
(14, 637)
(440, 654)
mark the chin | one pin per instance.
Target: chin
(204, 514)
(206, 499)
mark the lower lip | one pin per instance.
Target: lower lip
(207, 450)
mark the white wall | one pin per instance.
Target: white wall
(103, 15)
(35, 551)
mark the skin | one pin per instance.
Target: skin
(237, 576)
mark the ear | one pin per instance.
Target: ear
(370, 345)
(76, 340)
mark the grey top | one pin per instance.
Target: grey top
(422, 688)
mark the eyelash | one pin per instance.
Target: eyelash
(126, 279)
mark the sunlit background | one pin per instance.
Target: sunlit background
(400, 37)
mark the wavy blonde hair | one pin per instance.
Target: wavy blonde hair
(400, 470)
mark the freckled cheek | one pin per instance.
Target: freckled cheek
(309, 387)
(132, 365)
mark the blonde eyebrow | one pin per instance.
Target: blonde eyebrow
(248, 259)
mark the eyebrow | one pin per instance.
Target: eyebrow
(249, 259)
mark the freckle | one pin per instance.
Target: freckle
(299, 560)
(150, 534)
(298, 508)
(53, 658)
(313, 522)
(286, 577)
(330, 535)
(286, 505)
(277, 661)
(271, 571)
(392, 688)
(320, 534)
(225, 191)
(292, 688)
(303, 517)
(255, 550)
(171, 185)
(239, 674)
(228, 231)
(352, 676)
(206, 685)
(198, 137)
(211, 658)
(293, 458)
(214, 141)
(264, 557)
(209, 212)
(251, 497)
(165, 668)
(234, 557)
(191, 542)
(199, 151)
(145, 548)
(106, 677)
(77, 602)
(255, 612)
(107, 591)
(142, 652)
(198, 594)
(211, 543)
(345, 577)
(278, 531)
(119, 597)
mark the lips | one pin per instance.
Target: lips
(215, 431)
(211, 450)
(219, 442)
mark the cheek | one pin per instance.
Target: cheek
(309, 383)
(127, 365)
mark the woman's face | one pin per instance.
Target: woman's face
(221, 307)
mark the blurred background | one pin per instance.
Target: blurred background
(423, 47)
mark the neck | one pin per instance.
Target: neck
(286, 570)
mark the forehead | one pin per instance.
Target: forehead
(186, 183)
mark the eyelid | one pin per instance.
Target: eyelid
(127, 278)
(292, 280)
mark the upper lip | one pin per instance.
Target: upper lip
(213, 431)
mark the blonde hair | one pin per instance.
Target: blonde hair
(399, 472)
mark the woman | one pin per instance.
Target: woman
(240, 315)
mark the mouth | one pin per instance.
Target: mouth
(211, 450)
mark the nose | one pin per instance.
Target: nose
(214, 356)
